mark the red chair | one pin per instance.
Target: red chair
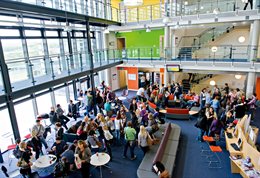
(28, 136)
(10, 153)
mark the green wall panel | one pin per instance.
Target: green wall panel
(147, 42)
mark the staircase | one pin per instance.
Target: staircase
(186, 85)
(199, 77)
(185, 53)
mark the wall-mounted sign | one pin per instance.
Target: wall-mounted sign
(113, 76)
(131, 76)
(173, 68)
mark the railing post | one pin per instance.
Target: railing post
(80, 60)
(31, 71)
(100, 58)
(52, 70)
(107, 51)
(68, 64)
(114, 55)
(60, 68)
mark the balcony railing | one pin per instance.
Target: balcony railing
(91, 8)
(143, 13)
(38, 69)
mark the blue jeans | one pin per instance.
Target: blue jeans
(130, 144)
(201, 134)
(117, 136)
(43, 141)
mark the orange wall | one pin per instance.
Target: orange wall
(257, 89)
(131, 84)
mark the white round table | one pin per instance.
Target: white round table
(121, 98)
(45, 161)
(100, 159)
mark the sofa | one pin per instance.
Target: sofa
(177, 113)
(165, 152)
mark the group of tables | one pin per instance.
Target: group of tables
(44, 165)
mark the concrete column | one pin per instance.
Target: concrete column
(251, 77)
(173, 44)
(35, 106)
(255, 39)
(108, 79)
(167, 40)
(166, 76)
(53, 100)
(105, 40)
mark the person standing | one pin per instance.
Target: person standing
(72, 110)
(37, 145)
(26, 154)
(130, 136)
(39, 129)
(143, 136)
(83, 153)
(246, 4)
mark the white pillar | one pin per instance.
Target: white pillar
(108, 80)
(251, 77)
(167, 40)
(255, 39)
(166, 76)
(105, 40)
(173, 44)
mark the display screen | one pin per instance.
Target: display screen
(173, 68)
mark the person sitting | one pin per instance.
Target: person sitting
(93, 141)
(61, 118)
(59, 130)
(72, 110)
(69, 155)
(53, 116)
(58, 147)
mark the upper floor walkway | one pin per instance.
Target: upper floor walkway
(157, 15)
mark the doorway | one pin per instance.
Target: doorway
(120, 43)
(122, 78)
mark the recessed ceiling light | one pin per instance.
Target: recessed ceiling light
(241, 39)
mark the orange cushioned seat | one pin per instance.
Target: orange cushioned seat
(208, 139)
(215, 148)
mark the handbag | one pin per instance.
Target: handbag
(77, 162)
(22, 163)
(149, 140)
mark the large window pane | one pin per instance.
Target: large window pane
(66, 46)
(60, 97)
(13, 49)
(35, 47)
(35, 33)
(71, 92)
(6, 131)
(53, 46)
(25, 117)
(44, 103)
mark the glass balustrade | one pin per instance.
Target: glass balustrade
(40, 69)
(91, 8)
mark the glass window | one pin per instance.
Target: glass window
(44, 103)
(9, 32)
(64, 34)
(25, 123)
(51, 33)
(17, 67)
(10, 18)
(36, 33)
(78, 34)
(66, 46)
(28, 20)
(53, 46)
(12, 48)
(60, 97)
(80, 45)
(35, 47)
(71, 92)
(6, 131)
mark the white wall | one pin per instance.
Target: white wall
(115, 78)
(112, 42)
(220, 80)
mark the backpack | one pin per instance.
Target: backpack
(17, 153)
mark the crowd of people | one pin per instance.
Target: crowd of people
(114, 125)
(117, 125)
